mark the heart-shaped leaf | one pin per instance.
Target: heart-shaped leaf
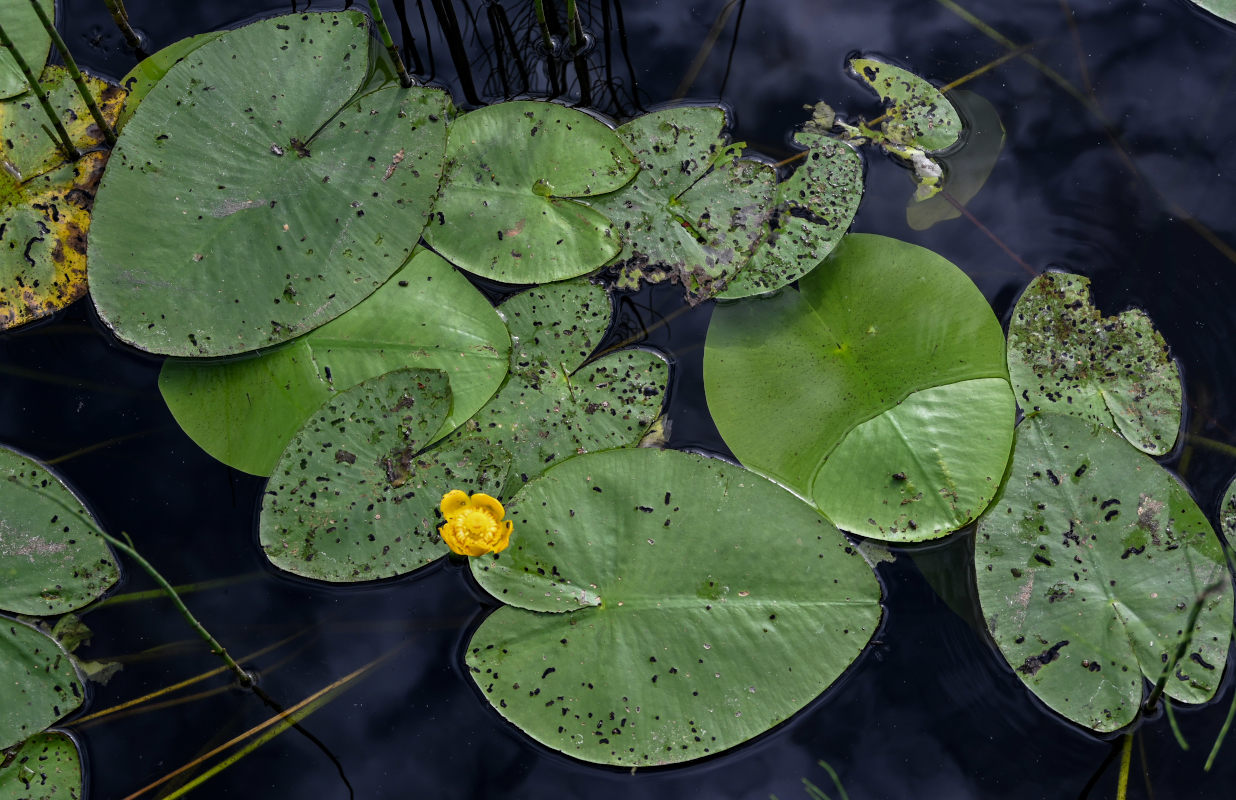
(705, 605)
(47, 766)
(241, 213)
(38, 684)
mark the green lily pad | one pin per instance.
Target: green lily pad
(664, 607)
(1224, 9)
(353, 498)
(694, 213)
(244, 412)
(31, 39)
(47, 766)
(505, 211)
(1067, 358)
(968, 168)
(886, 362)
(52, 559)
(150, 70)
(916, 113)
(1088, 566)
(38, 684)
(812, 210)
(554, 403)
(239, 214)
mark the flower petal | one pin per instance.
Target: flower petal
(453, 502)
(487, 503)
(505, 538)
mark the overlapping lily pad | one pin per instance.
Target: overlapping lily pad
(46, 767)
(664, 607)
(52, 559)
(27, 33)
(1089, 564)
(877, 390)
(694, 212)
(353, 498)
(244, 412)
(239, 214)
(38, 684)
(553, 404)
(507, 211)
(1066, 357)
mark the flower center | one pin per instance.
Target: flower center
(478, 525)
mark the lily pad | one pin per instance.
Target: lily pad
(239, 214)
(38, 684)
(150, 70)
(655, 616)
(353, 498)
(1224, 9)
(886, 359)
(968, 168)
(694, 213)
(555, 403)
(1067, 358)
(47, 766)
(916, 113)
(505, 211)
(244, 412)
(1089, 564)
(812, 210)
(31, 39)
(52, 559)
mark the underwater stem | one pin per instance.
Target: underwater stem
(244, 678)
(108, 133)
(66, 144)
(1126, 755)
(121, 17)
(405, 80)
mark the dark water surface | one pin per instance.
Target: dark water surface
(930, 710)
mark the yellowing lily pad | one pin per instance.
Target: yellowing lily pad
(655, 616)
(1067, 358)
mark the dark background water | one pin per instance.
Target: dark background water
(1128, 198)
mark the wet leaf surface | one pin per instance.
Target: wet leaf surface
(1088, 565)
(704, 606)
(353, 498)
(506, 210)
(29, 36)
(1066, 357)
(147, 74)
(1224, 9)
(244, 412)
(693, 214)
(46, 767)
(812, 210)
(966, 169)
(554, 405)
(264, 213)
(38, 684)
(52, 559)
(886, 358)
(916, 114)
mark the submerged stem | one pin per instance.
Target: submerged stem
(71, 64)
(66, 144)
(121, 17)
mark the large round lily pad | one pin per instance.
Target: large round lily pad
(47, 766)
(354, 498)
(38, 684)
(52, 559)
(877, 390)
(506, 211)
(1089, 564)
(245, 411)
(240, 213)
(664, 607)
(1067, 358)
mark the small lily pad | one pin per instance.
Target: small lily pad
(506, 209)
(1224, 9)
(888, 359)
(38, 684)
(966, 169)
(1066, 357)
(555, 403)
(916, 113)
(245, 411)
(266, 208)
(31, 39)
(353, 498)
(1089, 564)
(656, 616)
(52, 559)
(47, 766)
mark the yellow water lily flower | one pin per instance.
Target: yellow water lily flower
(474, 525)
